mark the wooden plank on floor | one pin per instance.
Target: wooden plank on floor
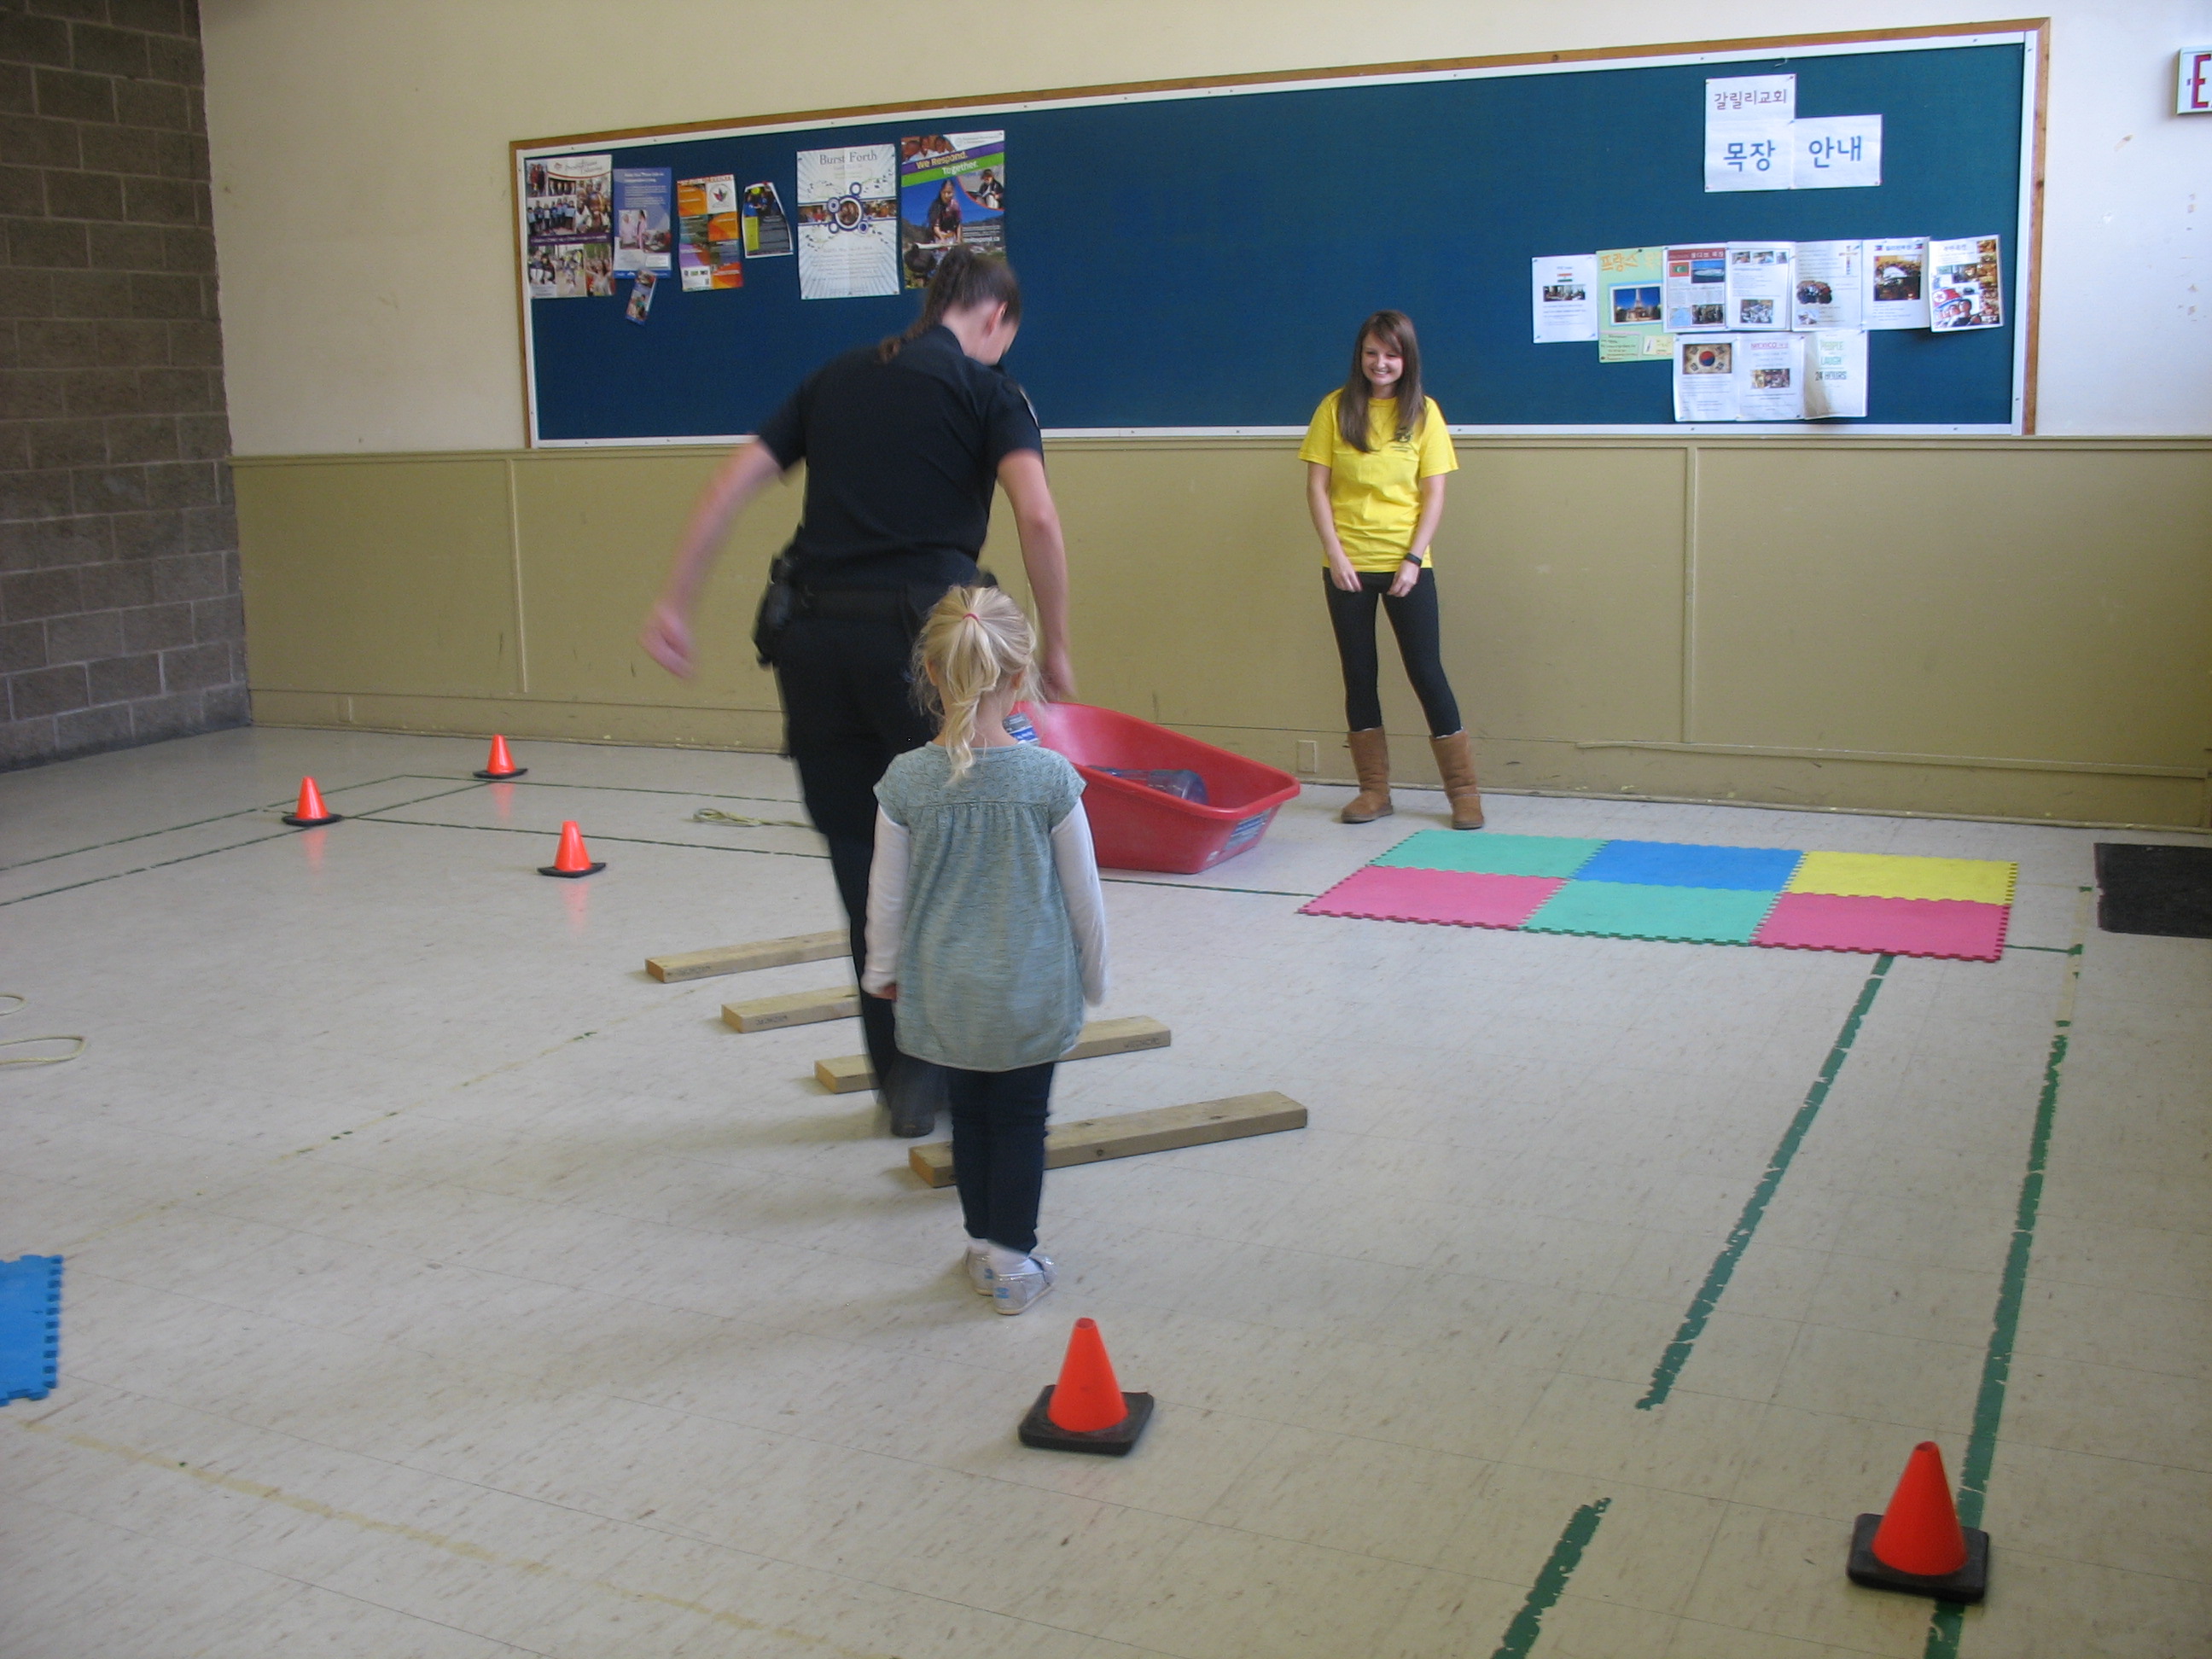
(846, 1073)
(743, 958)
(794, 1008)
(1092, 1139)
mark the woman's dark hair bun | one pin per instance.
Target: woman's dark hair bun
(963, 279)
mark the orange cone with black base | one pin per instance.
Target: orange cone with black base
(502, 764)
(572, 860)
(1086, 1411)
(310, 812)
(1918, 1545)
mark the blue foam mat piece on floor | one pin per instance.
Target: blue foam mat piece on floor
(1685, 864)
(30, 1326)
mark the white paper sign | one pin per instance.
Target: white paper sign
(1770, 383)
(2192, 96)
(848, 222)
(1747, 122)
(1563, 297)
(1835, 374)
(1759, 288)
(1837, 152)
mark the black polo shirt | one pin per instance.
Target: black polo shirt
(901, 460)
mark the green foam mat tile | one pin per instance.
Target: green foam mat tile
(1485, 853)
(1689, 915)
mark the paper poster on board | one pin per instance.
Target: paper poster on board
(1830, 285)
(1964, 285)
(1836, 152)
(1563, 297)
(1747, 120)
(848, 222)
(1704, 378)
(568, 204)
(640, 295)
(768, 232)
(644, 240)
(1632, 318)
(1695, 288)
(709, 246)
(1759, 286)
(1896, 282)
(1835, 374)
(953, 193)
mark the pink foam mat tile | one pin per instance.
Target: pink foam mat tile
(1961, 929)
(1458, 898)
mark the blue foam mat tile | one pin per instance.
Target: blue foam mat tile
(30, 1326)
(1684, 864)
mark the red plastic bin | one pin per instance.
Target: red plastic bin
(1140, 828)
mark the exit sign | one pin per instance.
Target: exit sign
(2193, 96)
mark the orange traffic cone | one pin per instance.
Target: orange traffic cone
(502, 764)
(1086, 1410)
(310, 811)
(1918, 1545)
(572, 860)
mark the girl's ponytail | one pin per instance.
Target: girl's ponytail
(963, 279)
(975, 640)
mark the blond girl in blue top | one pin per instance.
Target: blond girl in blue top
(1376, 456)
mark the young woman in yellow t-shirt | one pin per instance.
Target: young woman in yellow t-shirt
(1376, 456)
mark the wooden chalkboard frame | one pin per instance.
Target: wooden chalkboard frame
(2032, 34)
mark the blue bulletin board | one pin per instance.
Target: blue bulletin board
(1195, 258)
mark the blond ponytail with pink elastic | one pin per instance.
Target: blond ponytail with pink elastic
(975, 641)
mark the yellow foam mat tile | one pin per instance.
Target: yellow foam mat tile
(1888, 875)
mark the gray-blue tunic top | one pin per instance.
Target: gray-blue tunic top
(989, 975)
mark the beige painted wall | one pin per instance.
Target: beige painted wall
(2002, 627)
(362, 193)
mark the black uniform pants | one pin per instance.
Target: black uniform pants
(1414, 620)
(849, 711)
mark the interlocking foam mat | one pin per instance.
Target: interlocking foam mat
(30, 1326)
(2158, 888)
(1875, 903)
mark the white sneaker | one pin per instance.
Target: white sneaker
(978, 1272)
(1013, 1293)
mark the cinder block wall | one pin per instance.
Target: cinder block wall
(120, 620)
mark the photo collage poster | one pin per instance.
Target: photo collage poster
(710, 245)
(848, 222)
(569, 227)
(953, 193)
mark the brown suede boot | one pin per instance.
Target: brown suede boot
(1456, 760)
(1371, 764)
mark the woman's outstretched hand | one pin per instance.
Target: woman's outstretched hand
(1341, 573)
(666, 637)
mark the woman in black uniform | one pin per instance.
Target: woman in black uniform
(903, 443)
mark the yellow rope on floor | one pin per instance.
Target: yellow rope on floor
(21, 1001)
(708, 815)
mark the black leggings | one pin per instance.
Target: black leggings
(998, 1150)
(1414, 620)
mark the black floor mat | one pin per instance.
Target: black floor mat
(2155, 890)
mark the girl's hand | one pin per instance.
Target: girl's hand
(889, 994)
(666, 637)
(1409, 576)
(1341, 573)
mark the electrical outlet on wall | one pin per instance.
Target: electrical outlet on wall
(1309, 757)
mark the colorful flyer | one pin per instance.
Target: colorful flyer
(953, 193)
(1759, 284)
(1563, 293)
(1696, 288)
(848, 222)
(1632, 325)
(768, 232)
(1830, 285)
(640, 295)
(1964, 285)
(643, 240)
(568, 204)
(1896, 286)
(710, 244)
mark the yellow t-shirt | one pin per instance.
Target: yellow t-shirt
(1376, 494)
